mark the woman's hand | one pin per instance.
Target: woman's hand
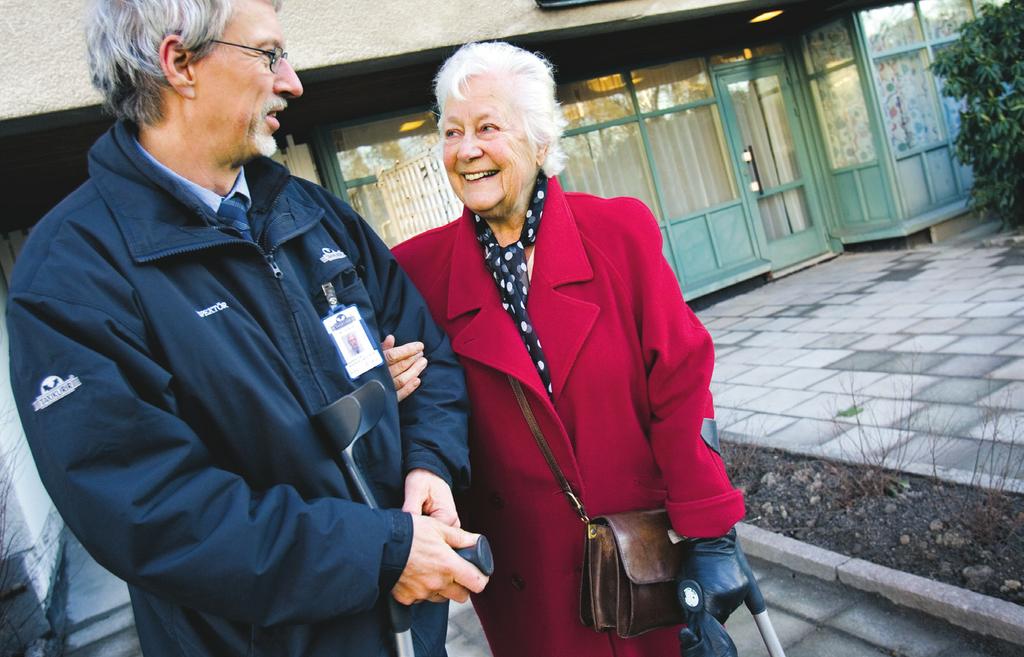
(429, 495)
(405, 362)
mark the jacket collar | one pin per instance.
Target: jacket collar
(158, 215)
(563, 321)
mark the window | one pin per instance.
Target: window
(659, 125)
(836, 87)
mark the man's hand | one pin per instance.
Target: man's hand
(427, 494)
(405, 362)
(434, 572)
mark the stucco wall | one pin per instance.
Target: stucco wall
(45, 70)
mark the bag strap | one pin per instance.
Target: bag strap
(563, 483)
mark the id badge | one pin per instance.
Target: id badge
(348, 330)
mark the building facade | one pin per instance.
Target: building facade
(760, 146)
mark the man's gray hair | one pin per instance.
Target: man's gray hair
(123, 39)
(533, 82)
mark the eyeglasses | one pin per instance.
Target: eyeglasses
(273, 56)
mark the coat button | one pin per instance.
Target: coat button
(518, 583)
(496, 501)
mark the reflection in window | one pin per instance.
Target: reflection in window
(678, 83)
(844, 117)
(609, 162)
(365, 149)
(908, 101)
(595, 101)
(693, 167)
(891, 27)
(827, 47)
(943, 18)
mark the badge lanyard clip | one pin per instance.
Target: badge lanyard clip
(330, 295)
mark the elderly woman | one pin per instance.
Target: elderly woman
(569, 295)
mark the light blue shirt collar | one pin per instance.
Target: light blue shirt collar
(208, 197)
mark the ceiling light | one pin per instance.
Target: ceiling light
(766, 16)
(411, 125)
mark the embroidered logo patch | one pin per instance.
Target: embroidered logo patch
(215, 308)
(331, 254)
(54, 388)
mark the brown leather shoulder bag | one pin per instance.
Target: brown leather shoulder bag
(630, 563)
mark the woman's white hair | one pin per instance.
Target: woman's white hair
(533, 84)
(123, 39)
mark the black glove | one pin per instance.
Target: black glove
(720, 568)
(703, 636)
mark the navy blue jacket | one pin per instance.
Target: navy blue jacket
(166, 372)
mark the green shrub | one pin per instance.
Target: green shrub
(985, 71)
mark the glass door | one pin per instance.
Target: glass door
(760, 112)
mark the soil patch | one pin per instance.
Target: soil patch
(961, 535)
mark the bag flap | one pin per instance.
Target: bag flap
(647, 553)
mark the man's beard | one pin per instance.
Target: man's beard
(266, 145)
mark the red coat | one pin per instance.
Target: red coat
(630, 365)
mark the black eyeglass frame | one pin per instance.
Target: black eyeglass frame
(274, 56)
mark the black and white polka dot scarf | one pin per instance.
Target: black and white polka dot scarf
(508, 265)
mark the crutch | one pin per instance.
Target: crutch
(343, 423)
(755, 604)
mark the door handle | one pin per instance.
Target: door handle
(755, 184)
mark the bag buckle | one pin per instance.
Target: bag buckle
(580, 511)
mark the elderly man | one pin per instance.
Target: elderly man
(175, 323)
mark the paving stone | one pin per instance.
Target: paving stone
(901, 310)
(819, 358)
(1012, 370)
(1009, 397)
(804, 433)
(936, 326)
(1003, 426)
(756, 427)
(899, 386)
(866, 444)
(726, 416)
(923, 343)
(857, 325)
(947, 419)
(762, 374)
(836, 340)
(822, 642)
(959, 390)
(979, 344)
(779, 400)
(749, 323)
(973, 456)
(744, 634)
(896, 630)
(878, 342)
(731, 337)
(995, 309)
(782, 323)
(882, 412)
(736, 395)
(784, 356)
(777, 339)
(947, 310)
(822, 407)
(892, 325)
(724, 372)
(864, 360)
(801, 378)
(1000, 294)
(1015, 349)
(972, 366)
(747, 355)
(985, 326)
(909, 363)
(719, 322)
(847, 382)
(819, 325)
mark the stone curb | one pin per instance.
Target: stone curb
(978, 613)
